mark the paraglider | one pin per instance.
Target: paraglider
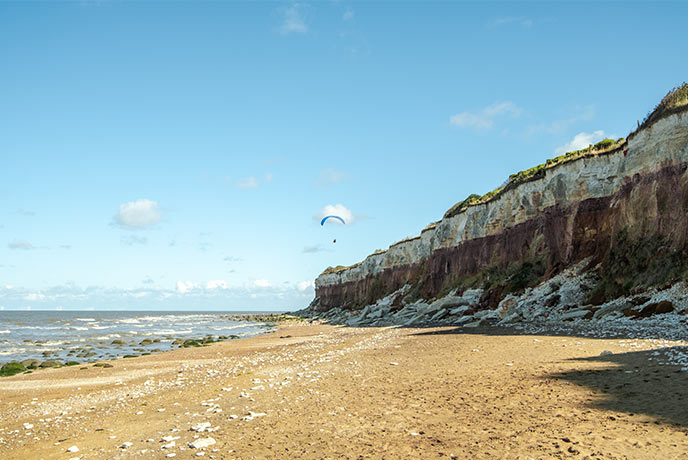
(322, 222)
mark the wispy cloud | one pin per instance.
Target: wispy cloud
(293, 21)
(231, 259)
(521, 21)
(580, 141)
(483, 120)
(313, 249)
(304, 285)
(131, 240)
(348, 15)
(24, 212)
(249, 182)
(559, 125)
(20, 244)
(329, 177)
(262, 283)
(216, 284)
(137, 215)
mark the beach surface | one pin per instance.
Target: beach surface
(311, 391)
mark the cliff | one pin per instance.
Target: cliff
(620, 208)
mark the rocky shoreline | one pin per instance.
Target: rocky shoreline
(131, 347)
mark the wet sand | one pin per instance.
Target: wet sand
(324, 392)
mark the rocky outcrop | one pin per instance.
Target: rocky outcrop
(623, 214)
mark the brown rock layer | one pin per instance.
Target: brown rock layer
(653, 205)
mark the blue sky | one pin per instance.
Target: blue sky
(178, 155)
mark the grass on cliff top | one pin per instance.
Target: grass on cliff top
(536, 172)
(675, 101)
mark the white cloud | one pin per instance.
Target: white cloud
(313, 249)
(185, 286)
(335, 210)
(484, 119)
(20, 244)
(262, 283)
(330, 176)
(293, 21)
(269, 177)
(34, 296)
(137, 214)
(216, 284)
(348, 14)
(249, 182)
(131, 240)
(580, 141)
(303, 285)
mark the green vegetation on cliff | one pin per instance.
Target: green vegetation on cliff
(675, 101)
(603, 147)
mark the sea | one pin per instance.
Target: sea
(86, 336)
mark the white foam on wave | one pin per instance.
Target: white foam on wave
(169, 332)
(78, 328)
(86, 319)
(5, 332)
(11, 351)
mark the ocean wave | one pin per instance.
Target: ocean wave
(169, 332)
(5, 332)
(78, 328)
(86, 319)
(11, 351)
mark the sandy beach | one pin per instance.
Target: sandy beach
(325, 392)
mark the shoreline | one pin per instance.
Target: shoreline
(319, 391)
(58, 352)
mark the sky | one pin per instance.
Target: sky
(178, 155)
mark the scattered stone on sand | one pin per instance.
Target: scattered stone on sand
(126, 445)
(606, 353)
(201, 443)
(200, 427)
(73, 449)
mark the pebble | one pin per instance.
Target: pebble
(394, 364)
(201, 443)
(200, 427)
(28, 426)
(126, 445)
(73, 449)
(606, 353)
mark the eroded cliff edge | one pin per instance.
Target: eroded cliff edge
(622, 213)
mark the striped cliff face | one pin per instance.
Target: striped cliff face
(574, 211)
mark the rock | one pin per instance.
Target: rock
(459, 310)
(51, 363)
(606, 353)
(28, 426)
(201, 443)
(126, 445)
(31, 363)
(11, 368)
(146, 342)
(507, 305)
(665, 306)
(571, 315)
(73, 449)
(200, 427)
(117, 342)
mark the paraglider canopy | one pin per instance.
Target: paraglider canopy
(322, 222)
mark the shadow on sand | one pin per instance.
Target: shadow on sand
(632, 383)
